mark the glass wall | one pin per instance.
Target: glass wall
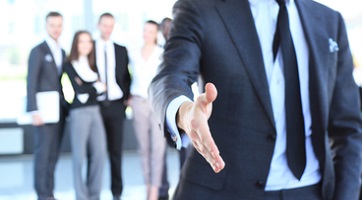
(22, 26)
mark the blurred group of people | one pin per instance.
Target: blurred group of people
(279, 118)
(104, 85)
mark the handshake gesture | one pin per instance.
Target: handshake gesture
(192, 117)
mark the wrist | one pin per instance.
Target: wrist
(182, 116)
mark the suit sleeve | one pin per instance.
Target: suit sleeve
(180, 65)
(34, 68)
(345, 124)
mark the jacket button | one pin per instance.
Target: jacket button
(260, 184)
(272, 137)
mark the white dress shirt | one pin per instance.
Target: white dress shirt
(143, 70)
(113, 90)
(56, 52)
(265, 14)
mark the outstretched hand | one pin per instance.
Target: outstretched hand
(192, 117)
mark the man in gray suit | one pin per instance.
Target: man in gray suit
(44, 72)
(254, 52)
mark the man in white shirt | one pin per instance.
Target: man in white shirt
(44, 71)
(112, 65)
(244, 133)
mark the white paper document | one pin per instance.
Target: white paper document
(48, 108)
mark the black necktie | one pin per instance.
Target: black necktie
(296, 155)
(106, 73)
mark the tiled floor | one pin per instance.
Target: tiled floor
(16, 177)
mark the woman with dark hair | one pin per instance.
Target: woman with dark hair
(145, 61)
(87, 132)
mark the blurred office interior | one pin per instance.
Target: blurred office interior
(22, 25)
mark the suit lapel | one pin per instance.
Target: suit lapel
(116, 61)
(115, 54)
(317, 40)
(63, 58)
(48, 52)
(240, 25)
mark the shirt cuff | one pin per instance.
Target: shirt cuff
(171, 112)
(185, 140)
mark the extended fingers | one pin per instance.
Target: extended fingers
(205, 145)
(199, 131)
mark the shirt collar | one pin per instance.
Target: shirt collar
(254, 2)
(83, 59)
(104, 43)
(52, 43)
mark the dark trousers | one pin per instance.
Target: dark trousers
(165, 185)
(113, 116)
(313, 192)
(360, 96)
(360, 194)
(47, 147)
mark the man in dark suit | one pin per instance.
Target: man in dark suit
(246, 129)
(44, 72)
(112, 65)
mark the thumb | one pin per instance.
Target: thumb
(210, 93)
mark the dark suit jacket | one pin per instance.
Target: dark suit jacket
(123, 76)
(42, 74)
(218, 40)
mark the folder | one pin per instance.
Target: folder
(48, 104)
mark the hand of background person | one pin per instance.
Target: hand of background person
(37, 120)
(100, 87)
(192, 117)
(128, 102)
